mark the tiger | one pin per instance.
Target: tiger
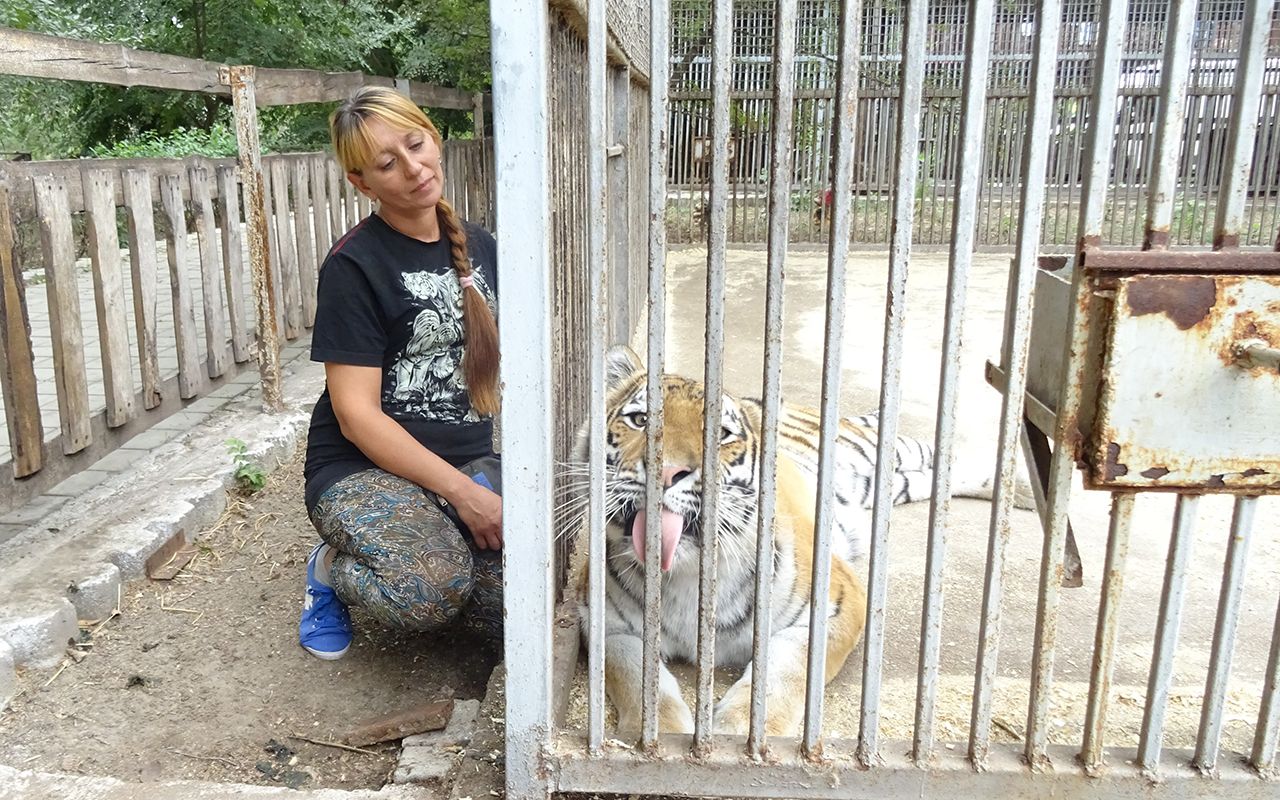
(682, 537)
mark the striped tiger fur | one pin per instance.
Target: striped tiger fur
(682, 536)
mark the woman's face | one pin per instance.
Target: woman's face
(404, 174)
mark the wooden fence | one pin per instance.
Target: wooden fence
(185, 312)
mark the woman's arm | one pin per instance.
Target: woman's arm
(355, 394)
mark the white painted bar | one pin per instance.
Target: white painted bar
(1014, 364)
(597, 259)
(1224, 636)
(658, 145)
(837, 256)
(906, 169)
(968, 183)
(1171, 598)
(519, 36)
(713, 371)
(784, 57)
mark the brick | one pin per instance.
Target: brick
(461, 727)
(424, 765)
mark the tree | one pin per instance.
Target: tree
(442, 41)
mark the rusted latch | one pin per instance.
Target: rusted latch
(1252, 353)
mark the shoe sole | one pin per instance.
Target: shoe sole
(327, 655)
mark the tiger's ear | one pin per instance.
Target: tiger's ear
(620, 363)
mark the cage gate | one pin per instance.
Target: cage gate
(1151, 370)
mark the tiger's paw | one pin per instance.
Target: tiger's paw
(674, 716)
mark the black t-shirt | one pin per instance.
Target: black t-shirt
(391, 301)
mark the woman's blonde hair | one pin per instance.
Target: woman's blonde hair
(354, 147)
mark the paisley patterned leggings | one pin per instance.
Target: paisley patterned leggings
(403, 561)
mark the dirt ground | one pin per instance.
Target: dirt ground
(201, 677)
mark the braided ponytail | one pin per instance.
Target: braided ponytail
(480, 360)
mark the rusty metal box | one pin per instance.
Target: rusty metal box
(1182, 389)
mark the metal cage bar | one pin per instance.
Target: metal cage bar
(713, 371)
(1171, 598)
(520, 120)
(1099, 146)
(1014, 365)
(779, 217)
(658, 146)
(1104, 643)
(1043, 76)
(598, 121)
(833, 340)
(1267, 733)
(1172, 111)
(1224, 636)
(1245, 103)
(906, 171)
(963, 229)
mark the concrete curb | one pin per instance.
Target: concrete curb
(72, 562)
(25, 785)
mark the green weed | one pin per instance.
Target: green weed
(249, 475)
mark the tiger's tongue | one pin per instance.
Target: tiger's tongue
(672, 526)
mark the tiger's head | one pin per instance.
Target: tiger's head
(626, 469)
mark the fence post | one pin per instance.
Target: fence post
(246, 115)
(477, 114)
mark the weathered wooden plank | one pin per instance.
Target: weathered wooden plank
(35, 55)
(212, 289)
(320, 208)
(64, 314)
(288, 255)
(273, 244)
(282, 87)
(233, 262)
(302, 217)
(21, 173)
(17, 370)
(337, 207)
(140, 214)
(352, 198)
(364, 204)
(190, 379)
(108, 294)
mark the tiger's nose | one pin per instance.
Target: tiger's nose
(671, 475)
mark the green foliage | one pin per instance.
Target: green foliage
(249, 475)
(438, 41)
(217, 142)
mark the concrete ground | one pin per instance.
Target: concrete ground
(967, 539)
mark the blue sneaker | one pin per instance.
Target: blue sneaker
(325, 629)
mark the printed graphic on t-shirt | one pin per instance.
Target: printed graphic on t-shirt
(426, 378)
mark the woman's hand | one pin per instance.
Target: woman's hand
(481, 511)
